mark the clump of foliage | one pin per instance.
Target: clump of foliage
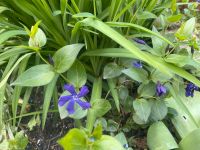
(114, 66)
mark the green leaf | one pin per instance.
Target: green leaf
(136, 74)
(107, 143)
(77, 75)
(47, 98)
(191, 141)
(121, 138)
(8, 34)
(157, 75)
(174, 18)
(114, 92)
(19, 142)
(111, 70)
(75, 139)
(65, 57)
(147, 90)
(159, 137)
(97, 133)
(145, 15)
(112, 126)
(159, 110)
(100, 107)
(159, 45)
(179, 60)
(186, 30)
(35, 76)
(142, 108)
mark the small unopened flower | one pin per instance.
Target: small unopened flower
(140, 41)
(74, 98)
(190, 88)
(160, 89)
(137, 64)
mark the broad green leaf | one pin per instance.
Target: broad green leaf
(121, 138)
(178, 60)
(114, 92)
(107, 143)
(159, 45)
(75, 139)
(111, 70)
(157, 75)
(142, 108)
(65, 57)
(35, 76)
(159, 110)
(186, 30)
(191, 141)
(147, 90)
(100, 107)
(77, 75)
(47, 98)
(159, 137)
(136, 74)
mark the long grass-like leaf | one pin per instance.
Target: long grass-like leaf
(47, 99)
(152, 60)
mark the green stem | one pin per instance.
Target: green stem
(96, 94)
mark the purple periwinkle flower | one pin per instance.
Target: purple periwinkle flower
(137, 64)
(198, 1)
(139, 41)
(74, 98)
(160, 89)
(190, 88)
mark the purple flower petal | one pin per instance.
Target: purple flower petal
(84, 105)
(83, 92)
(70, 88)
(137, 64)
(64, 99)
(70, 107)
(160, 89)
(139, 41)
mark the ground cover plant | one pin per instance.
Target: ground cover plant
(99, 74)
